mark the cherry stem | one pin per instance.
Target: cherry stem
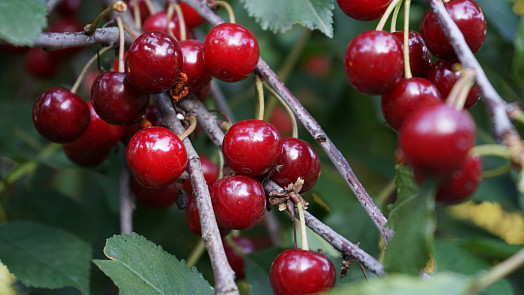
(303, 229)
(131, 33)
(195, 255)
(386, 14)
(90, 62)
(229, 9)
(288, 111)
(136, 15)
(259, 104)
(181, 22)
(220, 164)
(497, 151)
(121, 47)
(118, 6)
(393, 27)
(127, 206)
(407, 66)
(190, 129)
(460, 91)
(150, 7)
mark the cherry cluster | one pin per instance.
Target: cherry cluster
(435, 137)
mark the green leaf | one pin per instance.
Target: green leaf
(397, 284)
(257, 266)
(138, 266)
(518, 57)
(21, 21)
(413, 219)
(279, 15)
(45, 257)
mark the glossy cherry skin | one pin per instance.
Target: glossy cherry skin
(230, 52)
(436, 139)
(419, 55)
(116, 101)
(197, 74)
(374, 62)
(363, 10)
(191, 17)
(461, 183)
(235, 259)
(152, 115)
(156, 156)
(193, 219)
(96, 142)
(210, 171)
(40, 63)
(442, 74)
(157, 198)
(469, 18)
(298, 271)
(153, 62)
(405, 97)
(251, 147)
(158, 22)
(298, 159)
(60, 115)
(238, 201)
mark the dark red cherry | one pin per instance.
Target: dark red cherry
(461, 183)
(469, 18)
(436, 139)
(40, 63)
(374, 62)
(419, 55)
(251, 147)
(442, 74)
(193, 219)
(197, 74)
(69, 7)
(152, 115)
(65, 25)
(298, 159)
(142, 5)
(238, 201)
(236, 260)
(230, 52)
(158, 22)
(210, 171)
(363, 10)
(156, 156)
(116, 101)
(402, 99)
(298, 271)
(157, 198)
(96, 142)
(281, 120)
(153, 62)
(60, 115)
(191, 17)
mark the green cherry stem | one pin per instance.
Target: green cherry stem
(407, 67)
(259, 105)
(393, 27)
(497, 151)
(190, 129)
(288, 110)
(229, 9)
(459, 93)
(121, 45)
(195, 255)
(82, 74)
(303, 229)
(386, 15)
(118, 6)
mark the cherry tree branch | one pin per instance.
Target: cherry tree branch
(105, 36)
(224, 275)
(312, 126)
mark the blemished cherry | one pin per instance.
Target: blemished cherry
(363, 10)
(96, 142)
(231, 52)
(461, 183)
(156, 156)
(469, 18)
(197, 74)
(251, 147)
(153, 62)
(236, 260)
(374, 62)
(40, 63)
(298, 159)
(442, 74)
(152, 115)
(436, 139)
(239, 202)
(210, 171)
(298, 271)
(193, 219)
(405, 97)
(158, 22)
(60, 115)
(419, 55)
(157, 198)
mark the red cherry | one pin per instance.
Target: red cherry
(156, 156)
(96, 142)
(193, 219)
(408, 95)
(158, 22)
(374, 62)
(197, 74)
(40, 63)
(317, 66)
(235, 259)
(157, 198)
(69, 7)
(142, 5)
(419, 55)
(210, 171)
(238, 201)
(298, 159)
(153, 62)
(442, 74)
(191, 17)
(363, 10)
(60, 115)
(461, 183)
(251, 147)
(298, 271)
(116, 101)
(152, 115)
(281, 120)
(469, 19)
(436, 139)
(230, 52)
